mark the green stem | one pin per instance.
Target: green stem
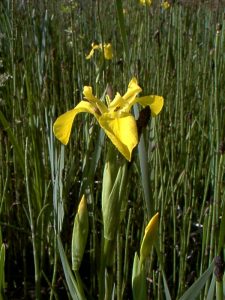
(217, 166)
(79, 285)
(54, 271)
(219, 290)
(108, 284)
(145, 176)
(106, 275)
(33, 234)
(119, 8)
(119, 266)
(109, 250)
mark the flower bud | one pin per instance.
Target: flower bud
(139, 288)
(113, 191)
(150, 235)
(80, 234)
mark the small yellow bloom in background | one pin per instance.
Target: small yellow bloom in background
(94, 47)
(108, 53)
(115, 118)
(146, 2)
(150, 235)
(165, 5)
(106, 48)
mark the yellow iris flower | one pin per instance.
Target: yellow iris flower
(106, 48)
(146, 2)
(165, 5)
(115, 119)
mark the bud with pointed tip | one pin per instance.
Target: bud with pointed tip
(80, 234)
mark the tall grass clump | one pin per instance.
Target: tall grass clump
(167, 237)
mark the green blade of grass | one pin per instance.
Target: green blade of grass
(166, 289)
(2, 273)
(75, 289)
(13, 140)
(211, 290)
(197, 286)
(119, 8)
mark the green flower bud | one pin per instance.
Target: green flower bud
(113, 191)
(80, 234)
(139, 288)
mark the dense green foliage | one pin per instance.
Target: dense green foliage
(178, 53)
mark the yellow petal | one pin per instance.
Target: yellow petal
(108, 53)
(117, 103)
(91, 53)
(88, 94)
(133, 89)
(121, 130)
(131, 94)
(165, 5)
(124, 103)
(155, 103)
(149, 237)
(146, 2)
(63, 124)
(94, 47)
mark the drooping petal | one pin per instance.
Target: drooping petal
(133, 90)
(94, 47)
(155, 103)
(63, 124)
(91, 53)
(121, 130)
